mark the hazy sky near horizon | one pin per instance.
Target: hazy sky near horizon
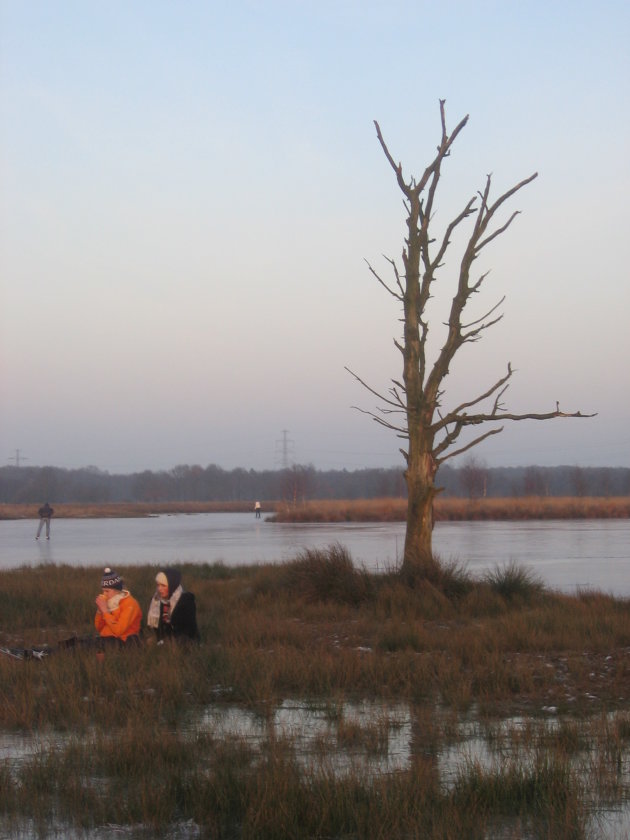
(190, 192)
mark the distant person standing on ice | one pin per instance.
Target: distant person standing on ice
(45, 512)
(257, 509)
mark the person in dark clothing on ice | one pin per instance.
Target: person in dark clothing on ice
(172, 611)
(45, 512)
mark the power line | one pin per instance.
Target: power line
(285, 450)
(18, 458)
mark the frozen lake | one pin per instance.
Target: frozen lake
(564, 554)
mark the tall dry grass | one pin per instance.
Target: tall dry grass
(353, 510)
(534, 507)
(451, 509)
(315, 629)
(321, 627)
(125, 510)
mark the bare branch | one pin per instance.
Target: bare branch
(476, 286)
(459, 412)
(486, 212)
(483, 317)
(396, 167)
(465, 420)
(456, 338)
(442, 152)
(470, 445)
(399, 385)
(371, 390)
(384, 284)
(550, 415)
(497, 232)
(509, 193)
(394, 392)
(474, 335)
(467, 211)
(402, 431)
(396, 275)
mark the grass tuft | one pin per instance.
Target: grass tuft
(515, 583)
(328, 575)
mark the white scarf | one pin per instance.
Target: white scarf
(114, 602)
(153, 616)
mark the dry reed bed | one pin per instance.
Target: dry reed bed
(395, 510)
(122, 510)
(353, 510)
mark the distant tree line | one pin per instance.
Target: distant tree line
(25, 485)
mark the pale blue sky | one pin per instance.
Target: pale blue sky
(190, 190)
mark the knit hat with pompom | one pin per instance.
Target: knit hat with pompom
(111, 579)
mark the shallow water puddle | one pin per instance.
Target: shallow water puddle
(389, 737)
(18, 747)
(338, 735)
(376, 738)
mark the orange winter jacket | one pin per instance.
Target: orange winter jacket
(123, 620)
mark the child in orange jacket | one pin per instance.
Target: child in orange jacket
(118, 614)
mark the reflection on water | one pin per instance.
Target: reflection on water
(565, 554)
(372, 738)
(335, 734)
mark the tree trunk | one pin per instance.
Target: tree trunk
(421, 467)
(418, 561)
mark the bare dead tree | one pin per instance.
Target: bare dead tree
(413, 407)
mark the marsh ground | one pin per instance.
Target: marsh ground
(320, 632)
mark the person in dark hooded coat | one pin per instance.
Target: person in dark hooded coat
(173, 611)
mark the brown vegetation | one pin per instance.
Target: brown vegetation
(354, 510)
(452, 509)
(321, 631)
(124, 510)
(318, 626)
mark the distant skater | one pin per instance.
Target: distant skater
(257, 510)
(45, 512)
